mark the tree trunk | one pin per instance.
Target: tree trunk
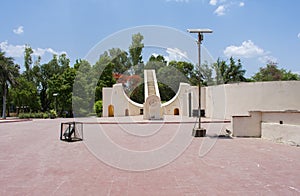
(4, 101)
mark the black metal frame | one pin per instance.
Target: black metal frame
(69, 134)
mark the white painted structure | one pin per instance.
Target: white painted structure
(260, 109)
(152, 105)
(116, 102)
(278, 126)
(224, 101)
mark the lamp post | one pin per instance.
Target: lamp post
(55, 96)
(199, 131)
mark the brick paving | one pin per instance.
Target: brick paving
(33, 161)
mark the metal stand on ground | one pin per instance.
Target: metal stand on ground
(71, 131)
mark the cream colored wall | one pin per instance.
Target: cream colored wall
(288, 117)
(267, 125)
(281, 133)
(116, 96)
(106, 100)
(180, 100)
(247, 126)
(223, 101)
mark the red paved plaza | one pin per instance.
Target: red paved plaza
(33, 161)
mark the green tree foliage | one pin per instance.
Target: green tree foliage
(135, 53)
(138, 94)
(28, 62)
(229, 73)
(119, 60)
(206, 75)
(83, 92)
(25, 95)
(62, 85)
(98, 108)
(8, 74)
(272, 73)
(103, 71)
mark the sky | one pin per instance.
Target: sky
(254, 31)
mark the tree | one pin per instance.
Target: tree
(25, 94)
(158, 58)
(47, 71)
(28, 62)
(229, 73)
(206, 75)
(272, 73)
(8, 74)
(103, 73)
(62, 85)
(119, 60)
(64, 62)
(84, 88)
(135, 53)
(186, 68)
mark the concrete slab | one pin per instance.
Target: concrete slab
(33, 161)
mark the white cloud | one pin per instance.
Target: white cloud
(213, 2)
(19, 30)
(247, 50)
(17, 51)
(175, 54)
(12, 50)
(266, 59)
(224, 5)
(220, 11)
(298, 35)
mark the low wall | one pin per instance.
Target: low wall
(224, 101)
(278, 126)
(281, 133)
(247, 126)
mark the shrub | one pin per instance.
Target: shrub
(53, 114)
(98, 107)
(24, 115)
(45, 115)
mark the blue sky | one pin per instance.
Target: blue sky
(254, 31)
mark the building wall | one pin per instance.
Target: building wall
(181, 100)
(247, 126)
(118, 99)
(278, 126)
(224, 101)
(281, 133)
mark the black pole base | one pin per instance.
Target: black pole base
(199, 132)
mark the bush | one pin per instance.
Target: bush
(53, 114)
(98, 107)
(24, 115)
(45, 115)
(39, 115)
(33, 115)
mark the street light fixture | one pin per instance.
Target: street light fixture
(198, 131)
(55, 96)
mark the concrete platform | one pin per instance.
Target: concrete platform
(33, 161)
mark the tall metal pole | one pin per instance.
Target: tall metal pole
(200, 38)
(199, 132)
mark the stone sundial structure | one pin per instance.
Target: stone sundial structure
(152, 105)
(116, 103)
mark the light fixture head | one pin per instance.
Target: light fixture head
(199, 30)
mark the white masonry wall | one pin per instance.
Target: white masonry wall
(224, 101)
(118, 99)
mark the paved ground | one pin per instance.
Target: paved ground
(33, 161)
